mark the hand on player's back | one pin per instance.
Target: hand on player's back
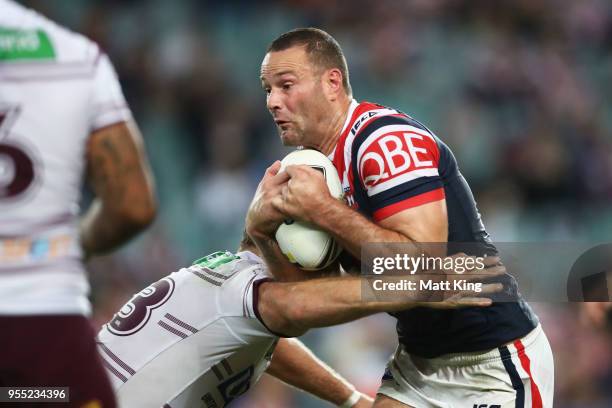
(262, 217)
(304, 195)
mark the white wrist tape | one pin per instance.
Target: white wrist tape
(352, 400)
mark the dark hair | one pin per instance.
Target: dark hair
(323, 50)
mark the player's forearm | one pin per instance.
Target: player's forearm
(295, 365)
(103, 229)
(278, 265)
(331, 302)
(352, 230)
(293, 308)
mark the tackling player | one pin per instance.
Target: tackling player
(403, 185)
(62, 113)
(203, 335)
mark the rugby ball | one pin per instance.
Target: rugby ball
(302, 243)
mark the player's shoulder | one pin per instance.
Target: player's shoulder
(385, 130)
(229, 270)
(391, 149)
(234, 279)
(374, 119)
(35, 37)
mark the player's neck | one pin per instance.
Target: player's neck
(334, 128)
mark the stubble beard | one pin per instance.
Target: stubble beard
(291, 137)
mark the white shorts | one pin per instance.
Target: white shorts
(519, 374)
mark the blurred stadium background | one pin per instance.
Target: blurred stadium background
(517, 88)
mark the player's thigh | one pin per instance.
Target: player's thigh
(382, 401)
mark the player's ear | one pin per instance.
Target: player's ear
(333, 83)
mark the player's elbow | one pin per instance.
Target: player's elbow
(138, 215)
(279, 313)
(296, 316)
(145, 215)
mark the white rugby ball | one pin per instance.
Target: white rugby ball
(302, 243)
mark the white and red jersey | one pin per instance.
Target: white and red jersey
(56, 87)
(193, 338)
(389, 162)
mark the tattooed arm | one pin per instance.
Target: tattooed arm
(119, 173)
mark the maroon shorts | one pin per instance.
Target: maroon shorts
(54, 351)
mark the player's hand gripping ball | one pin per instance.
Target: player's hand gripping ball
(302, 243)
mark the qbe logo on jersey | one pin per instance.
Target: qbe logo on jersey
(394, 155)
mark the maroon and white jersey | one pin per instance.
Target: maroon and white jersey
(56, 87)
(193, 338)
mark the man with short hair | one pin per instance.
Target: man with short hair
(62, 114)
(403, 185)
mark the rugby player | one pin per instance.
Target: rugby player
(62, 113)
(403, 185)
(203, 335)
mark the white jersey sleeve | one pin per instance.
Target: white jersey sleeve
(193, 334)
(108, 105)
